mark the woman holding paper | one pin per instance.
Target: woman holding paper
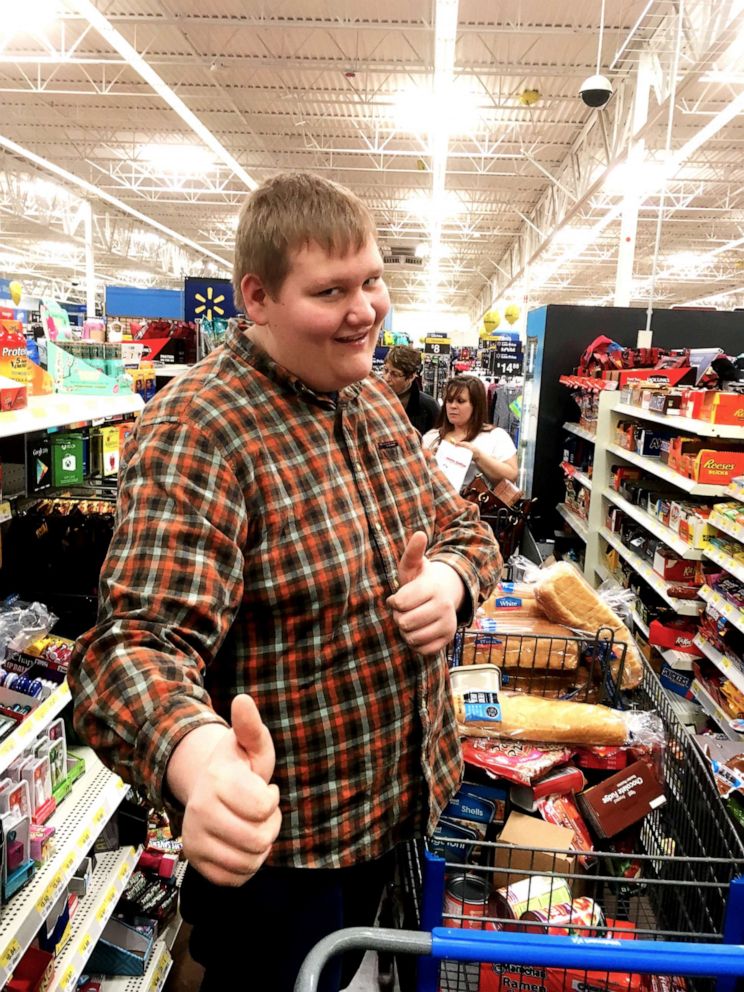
(462, 422)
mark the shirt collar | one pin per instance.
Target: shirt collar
(249, 352)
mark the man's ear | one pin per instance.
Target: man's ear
(254, 298)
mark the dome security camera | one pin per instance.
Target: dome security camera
(596, 91)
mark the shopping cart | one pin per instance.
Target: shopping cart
(724, 962)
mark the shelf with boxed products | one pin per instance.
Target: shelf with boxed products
(723, 606)
(729, 564)
(47, 412)
(579, 431)
(736, 489)
(656, 527)
(33, 725)
(722, 523)
(711, 707)
(574, 521)
(157, 971)
(574, 473)
(685, 607)
(604, 573)
(77, 823)
(729, 667)
(701, 427)
(654, 466)
(640, 624)
(109, 880)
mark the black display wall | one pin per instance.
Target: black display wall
(568, 331)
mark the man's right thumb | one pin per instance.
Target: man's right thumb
(253, 735)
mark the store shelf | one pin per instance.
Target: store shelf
(579, 431)
(44, 412)
(656, 467)
(720, 522)
(603, 572)
(737, 492)
(722, 605)
(160, 964)
(574, 521)
(684, 607)
(169, 371)
(672, 540)
(78, 822)
(700, 427)
(33, 725)
(110, 879)
(640, 624)
(677, 660)
(732, 669)
(714, 711)
(734, 568)
(574, 473)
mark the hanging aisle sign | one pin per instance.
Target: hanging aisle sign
(437, 344)
(503, 354)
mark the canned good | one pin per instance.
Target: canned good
(581, 917)
(466, 901)
(536, 892)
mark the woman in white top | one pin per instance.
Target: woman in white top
(462, 421)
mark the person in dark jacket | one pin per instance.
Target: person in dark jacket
(402, 365)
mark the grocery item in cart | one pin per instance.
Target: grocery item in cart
(519, 641)
(516, 761)
(567, 598)
(581, 917)
(622, 799)
(465, 901)
(535, 892)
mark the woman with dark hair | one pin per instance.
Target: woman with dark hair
(462, 421)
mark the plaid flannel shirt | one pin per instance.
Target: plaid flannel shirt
(259, 527)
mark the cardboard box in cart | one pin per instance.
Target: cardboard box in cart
(529, 841)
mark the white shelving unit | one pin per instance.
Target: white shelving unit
(736, 531)
(658, 529)
(603, 572)
(33, 725)
(700, 427)
(579, 431)
(723, 607)
(640, 624)
(736, 492)
(734, 568)
(728, 666)
(574, 473)
(685, 607)
(715, 712)
(78, 822)
(60, 410)
(654, 466)
(110, 879)
(574, 521)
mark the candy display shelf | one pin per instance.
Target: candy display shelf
(685, 607)
(683, 424)
(733, 567)
(45, 412)
(574, 473)
(727, 526)
(574, 521)
(579, 431)
(656, 527)
(654, 466)
(723, 607)
(714, 711)
(732, 669)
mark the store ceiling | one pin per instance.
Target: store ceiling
(528, 198)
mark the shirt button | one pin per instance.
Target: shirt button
(358, 466)
(378, 526)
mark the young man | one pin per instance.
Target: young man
(401, 367)
(281, 534)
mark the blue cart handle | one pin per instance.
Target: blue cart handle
(651, 957)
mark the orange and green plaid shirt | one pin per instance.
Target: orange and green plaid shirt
(259, 528)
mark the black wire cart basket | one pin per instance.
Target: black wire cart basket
(674, 879)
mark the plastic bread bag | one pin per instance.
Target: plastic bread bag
(566, 597)
(522, 717)
(22, 623)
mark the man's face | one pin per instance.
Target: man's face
(398, 381)
(324, 323)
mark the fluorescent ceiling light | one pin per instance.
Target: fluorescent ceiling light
(690, 261)
(642, 177)
(722, 76)
(141, 66)
(454, 110)
(29, 17)
(180, 160)
(573, 236)
(431, 208)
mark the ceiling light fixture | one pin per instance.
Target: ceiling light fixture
(140, 65)
(92, 190)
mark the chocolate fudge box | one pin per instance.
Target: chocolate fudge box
(623, 799)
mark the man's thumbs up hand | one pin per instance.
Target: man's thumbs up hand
(232, 814)
(428, 597)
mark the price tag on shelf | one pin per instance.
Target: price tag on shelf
(84, 839)
(160, 971)
(82, 948)
(99, 815)
(10, 956)
(107, 900)
(45, 900)
(5, 511)
(68, 977)
(124, 868)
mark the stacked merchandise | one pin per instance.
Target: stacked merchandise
(564, 799)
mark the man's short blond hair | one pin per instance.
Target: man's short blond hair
(287, 212)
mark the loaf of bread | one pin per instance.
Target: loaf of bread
(523, 642)
(533, 718)
(566, 597)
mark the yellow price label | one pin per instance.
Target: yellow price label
(84, 839)
(99, 814)
(125, 868)
(7, 745)
(84, 944)
(107, 900)
(68, 863)
(11, 953)
(160, 970)
(68, 978)
(42, 903)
